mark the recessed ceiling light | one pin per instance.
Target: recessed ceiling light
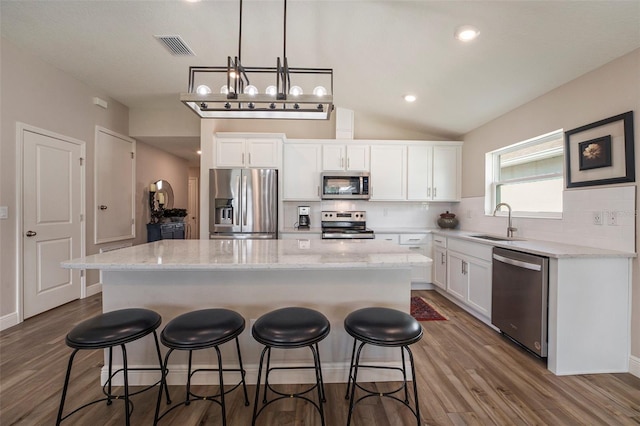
(410, 98)
(466, 33)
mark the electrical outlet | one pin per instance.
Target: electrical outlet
(612, 218)
(597, 218)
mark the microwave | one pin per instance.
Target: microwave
(345, 185)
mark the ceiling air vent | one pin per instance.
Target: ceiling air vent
(175, 44)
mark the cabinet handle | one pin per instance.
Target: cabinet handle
(249, 158)
(442, 258)
(434, 192)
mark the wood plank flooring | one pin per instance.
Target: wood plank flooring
(467, 375)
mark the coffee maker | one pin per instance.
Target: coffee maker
(304, 220)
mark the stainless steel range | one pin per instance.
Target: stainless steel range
(349, 225)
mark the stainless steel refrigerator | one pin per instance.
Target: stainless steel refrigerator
(243, 203)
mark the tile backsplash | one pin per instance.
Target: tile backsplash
(577, 226)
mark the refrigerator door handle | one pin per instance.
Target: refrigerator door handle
(244, 200)
(237, 207)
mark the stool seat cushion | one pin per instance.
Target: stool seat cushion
(291, 327)
(202, 329)
(113, 328)
(383, 327)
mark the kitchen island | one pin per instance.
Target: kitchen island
(254, 277)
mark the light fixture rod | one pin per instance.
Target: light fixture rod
(284, 44)
(240, 34)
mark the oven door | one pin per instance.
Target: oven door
(352, 234)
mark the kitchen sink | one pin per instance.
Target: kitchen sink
(491, 238)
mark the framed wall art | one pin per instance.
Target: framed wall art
(601, 153)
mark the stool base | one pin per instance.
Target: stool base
(352, 383)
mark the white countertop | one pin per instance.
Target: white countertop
(252, 255)
(542, 248)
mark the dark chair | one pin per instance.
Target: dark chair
(203, 329)
(107, 331)
(387, 328)
(290, 328)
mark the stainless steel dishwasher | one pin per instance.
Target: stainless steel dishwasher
(519, 298)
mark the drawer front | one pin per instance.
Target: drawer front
(394, 238)
(481, 251)
(414, 239)
(440, 241)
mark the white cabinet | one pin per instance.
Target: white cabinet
(388, 172)
(469, 274)
(434, 172)
(337, 157)
(247, 152)
(440, 261)
(301, 171)
(420, 243)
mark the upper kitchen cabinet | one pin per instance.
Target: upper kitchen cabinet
(301, 171)
(253, 152)
(114, 186)
(388, 172)
(434, 172)
(339, 157)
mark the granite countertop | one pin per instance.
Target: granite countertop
(252, 255)
(542, 248)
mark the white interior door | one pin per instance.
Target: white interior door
(52, 186)
(193, 222)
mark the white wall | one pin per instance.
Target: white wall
(42, 96)
(607, 91)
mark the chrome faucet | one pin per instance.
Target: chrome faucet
(510, 228)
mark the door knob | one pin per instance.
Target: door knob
(31, 234)
(102, 207)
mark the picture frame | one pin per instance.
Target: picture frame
(601, 153)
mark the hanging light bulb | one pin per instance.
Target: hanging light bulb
(225, 90)
(203, 89)
(320, 91)
(295, 91)
(251, 90)
(271, 90)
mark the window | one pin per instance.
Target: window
(528, 176)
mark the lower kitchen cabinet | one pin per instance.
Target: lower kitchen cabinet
(440, 261)
(420, 243)
(463, 269)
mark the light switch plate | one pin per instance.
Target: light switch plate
(4, 212)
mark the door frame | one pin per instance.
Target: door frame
(20, 129)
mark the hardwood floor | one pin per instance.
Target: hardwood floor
(467, 375)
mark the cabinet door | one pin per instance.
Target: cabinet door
(440, 267)
(479, 272)
(262, 153)
(358, 158)
(333, 158)
(302, 166)
(230, 152)
(388, 172)
(447, 161)
(418, 172)
(457, 283)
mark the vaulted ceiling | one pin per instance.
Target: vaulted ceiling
(379, 50)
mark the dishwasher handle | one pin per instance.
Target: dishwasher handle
(518, 263)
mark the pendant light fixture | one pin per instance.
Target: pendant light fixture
(238, 91)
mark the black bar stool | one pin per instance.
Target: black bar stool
(388, 328)
(203, 329)
(290, 328)
(115, 328)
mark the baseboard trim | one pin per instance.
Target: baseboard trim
(94, 289)
(331, 373)
(8, 320)
(634, 365)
